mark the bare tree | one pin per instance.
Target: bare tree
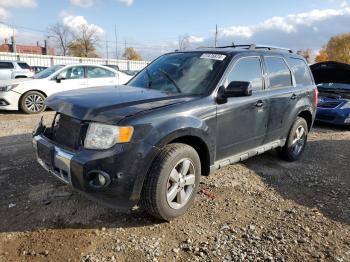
(183, 42)
(85, 41)
(63, 36)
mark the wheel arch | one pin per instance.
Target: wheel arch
(307, 115)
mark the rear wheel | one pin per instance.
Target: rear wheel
(173, 181)
(296, 141)
(33, 102)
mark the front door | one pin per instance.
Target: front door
(70, 78)
(241, 122)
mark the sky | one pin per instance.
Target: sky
(153, 27)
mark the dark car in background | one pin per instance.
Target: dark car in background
(333, 84)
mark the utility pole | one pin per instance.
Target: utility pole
(216, 35)
(116, 41)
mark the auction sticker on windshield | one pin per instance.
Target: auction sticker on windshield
(218, 57)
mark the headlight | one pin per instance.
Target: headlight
(346, 106)
(7, 88)
(101, 136)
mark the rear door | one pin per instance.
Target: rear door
(283, 96)
(6, 69)
(99, 76)
(242, 120)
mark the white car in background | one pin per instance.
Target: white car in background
(28, 94)
(14, 69)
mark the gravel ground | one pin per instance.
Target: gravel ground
(263, 209)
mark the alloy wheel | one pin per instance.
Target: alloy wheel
(34, 103)
(181, 184)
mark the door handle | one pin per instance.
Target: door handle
(293, 97)
(260, 103)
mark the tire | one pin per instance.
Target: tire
(160, 185)
(296, 141)
(32, 102)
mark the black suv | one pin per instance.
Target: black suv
(184, 116)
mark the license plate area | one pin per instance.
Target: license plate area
(46, 153)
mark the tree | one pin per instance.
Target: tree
(86, 40)
(131, 54)
(183, 42)
(63, 36)
(322, 56)
(338, 48)
(306, 53)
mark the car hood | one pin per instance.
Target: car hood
(331, 72)
(110, 104)
(15, 81)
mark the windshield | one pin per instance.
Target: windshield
(334, 86)
(181, 73)
(47, 72)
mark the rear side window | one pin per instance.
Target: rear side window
(300, 71)
(6, 65)
(248, 70)
(24, 65)
(278, 72)
(98, 72)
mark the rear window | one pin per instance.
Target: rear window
(278, 72)
(24, 65)
(300, 71)
(6, 65)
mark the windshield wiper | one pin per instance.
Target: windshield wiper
(171, 80)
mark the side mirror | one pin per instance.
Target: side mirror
(238, 88)
(59, 78)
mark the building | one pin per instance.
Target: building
(27, 49)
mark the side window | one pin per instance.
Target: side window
(300, 71)
(75, 72)
(6, 65)
(278, 72)
(98, 72)
(249, 70)
(24, 65)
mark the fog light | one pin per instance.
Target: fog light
(98, 179)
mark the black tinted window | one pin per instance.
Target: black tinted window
(248, 70)
(300, 71)
(278, 72)
(24, 65)
(6, 65)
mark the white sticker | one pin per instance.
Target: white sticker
(218, 57)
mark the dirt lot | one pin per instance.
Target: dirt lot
(263, 209)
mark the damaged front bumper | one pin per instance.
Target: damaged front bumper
(124, 166)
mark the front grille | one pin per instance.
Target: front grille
(67, 131)
(329, 104)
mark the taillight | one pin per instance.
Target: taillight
(316, 96)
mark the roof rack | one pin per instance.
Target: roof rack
(255, 47)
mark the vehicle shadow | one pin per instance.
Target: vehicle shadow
(320, 179)
(31, 199)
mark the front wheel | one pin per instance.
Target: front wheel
(172, 183)
(296, 141)
(32, 102)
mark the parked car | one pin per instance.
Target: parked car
(333, 83)
(14, 69)
(38, 69)
(182, 117)
(29, 94)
